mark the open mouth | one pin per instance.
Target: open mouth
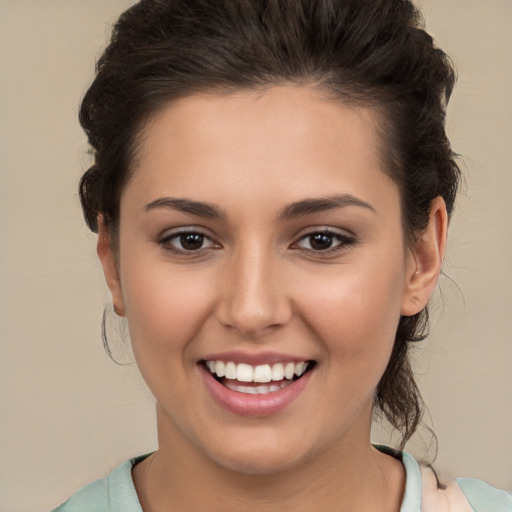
(257, 380)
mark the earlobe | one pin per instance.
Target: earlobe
(426, 260)
(110, 266)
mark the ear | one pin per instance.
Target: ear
(425, 260)
(110, 266)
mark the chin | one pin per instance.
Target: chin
(264, 455)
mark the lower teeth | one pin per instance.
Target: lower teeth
(256, 390)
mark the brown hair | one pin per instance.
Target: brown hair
(366, 52)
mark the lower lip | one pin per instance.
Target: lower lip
(244, 404)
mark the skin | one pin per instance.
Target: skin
(258, 285)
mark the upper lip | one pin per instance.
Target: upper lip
(254, 359)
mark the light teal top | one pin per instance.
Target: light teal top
(116, 493)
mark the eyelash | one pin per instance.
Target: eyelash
(166, 242)
(343, 242)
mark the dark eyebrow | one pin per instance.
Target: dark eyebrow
(315, 205)
(187, 206)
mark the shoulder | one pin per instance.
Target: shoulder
(115, 493)
(462, 495)
(483, 497)
(92, 497)
(459, 495)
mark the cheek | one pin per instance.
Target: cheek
(355, 312)
(355, 321)
(165, 310)
(164, 306)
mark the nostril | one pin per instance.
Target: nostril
(252, 320)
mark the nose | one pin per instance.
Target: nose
(253, 293)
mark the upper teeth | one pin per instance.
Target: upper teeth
(261, 373)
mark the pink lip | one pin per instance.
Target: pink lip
(254, 359)
(253, 405)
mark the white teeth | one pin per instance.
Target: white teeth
(278, 372)
(256, 390)
(263, 373)
(299, 368)
(260, 374)
(220, 368)
(230, 371)
(244, 373)
(289, 371)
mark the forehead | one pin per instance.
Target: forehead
(287, 139)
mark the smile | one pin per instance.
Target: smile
(249, 379)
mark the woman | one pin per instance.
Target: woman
(271, 192)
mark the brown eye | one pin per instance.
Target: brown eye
(321, 241)
(324, 241)
(191, 241)
(187, 242)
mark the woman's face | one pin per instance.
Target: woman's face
(258, 236)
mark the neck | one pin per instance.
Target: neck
(351, 476)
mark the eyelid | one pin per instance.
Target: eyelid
(344, 237)
(170, 234)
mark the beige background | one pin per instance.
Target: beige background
(68, 414)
